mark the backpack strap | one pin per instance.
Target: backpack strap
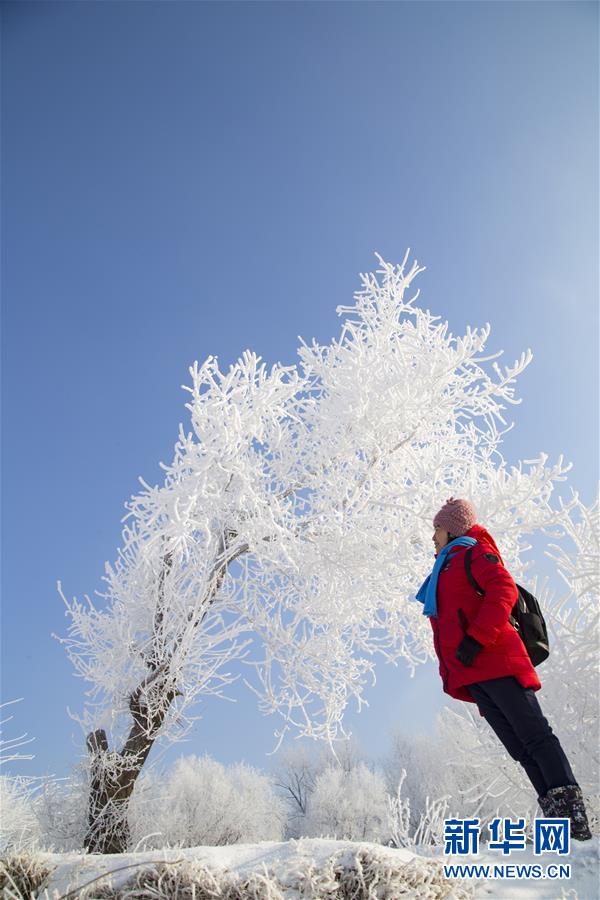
(470, 576)
(526, 616)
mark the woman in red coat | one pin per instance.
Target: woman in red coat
(484, 661)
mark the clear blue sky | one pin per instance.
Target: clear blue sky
(185, 179)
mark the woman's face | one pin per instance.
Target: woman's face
(440, 539)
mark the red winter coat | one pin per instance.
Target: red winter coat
(485, 619)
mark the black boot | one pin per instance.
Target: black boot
(547, 806)
(568, 804)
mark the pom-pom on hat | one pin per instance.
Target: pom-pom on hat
(456, 517)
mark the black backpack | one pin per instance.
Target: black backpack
(526, 618)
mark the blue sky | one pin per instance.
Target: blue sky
(185, 179)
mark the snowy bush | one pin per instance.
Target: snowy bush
(348, 805)
(202, 802)
(309, 869)
(298, 768)
(43, 813)
(61, 810)
(429, 830)
(19, 827)
(22, 874)
(423, 759)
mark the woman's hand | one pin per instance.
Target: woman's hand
(467, 650)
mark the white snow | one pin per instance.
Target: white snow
(584, 883)
(287, 859)
(284, 858)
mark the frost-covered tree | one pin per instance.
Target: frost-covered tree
(297, 512)
(295, 779)
(297, 773)
(424, 759)
(348, 805)
(202, 802)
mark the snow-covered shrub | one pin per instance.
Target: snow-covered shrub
(62, 811)
(43, 813)
(423, 758)
(298, 768)
(429, 830)
(22, 874)
(19, 827)
(202, 802)
(18, 823)
(349, 805)
(310, 869)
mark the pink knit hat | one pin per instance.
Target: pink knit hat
(456, 517)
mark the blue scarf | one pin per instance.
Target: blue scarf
(427, 592)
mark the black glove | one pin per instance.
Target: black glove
(467, 650)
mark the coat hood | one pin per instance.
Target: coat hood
(482, 535)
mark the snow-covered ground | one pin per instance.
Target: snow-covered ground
(291, 863)
(584, 883)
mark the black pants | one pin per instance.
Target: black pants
(515, 715)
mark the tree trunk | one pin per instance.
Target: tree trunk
(113, 774)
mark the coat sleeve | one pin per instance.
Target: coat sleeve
(501, 594)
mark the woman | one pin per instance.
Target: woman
(484, 661)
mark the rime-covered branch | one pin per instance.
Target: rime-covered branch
(296, 510)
